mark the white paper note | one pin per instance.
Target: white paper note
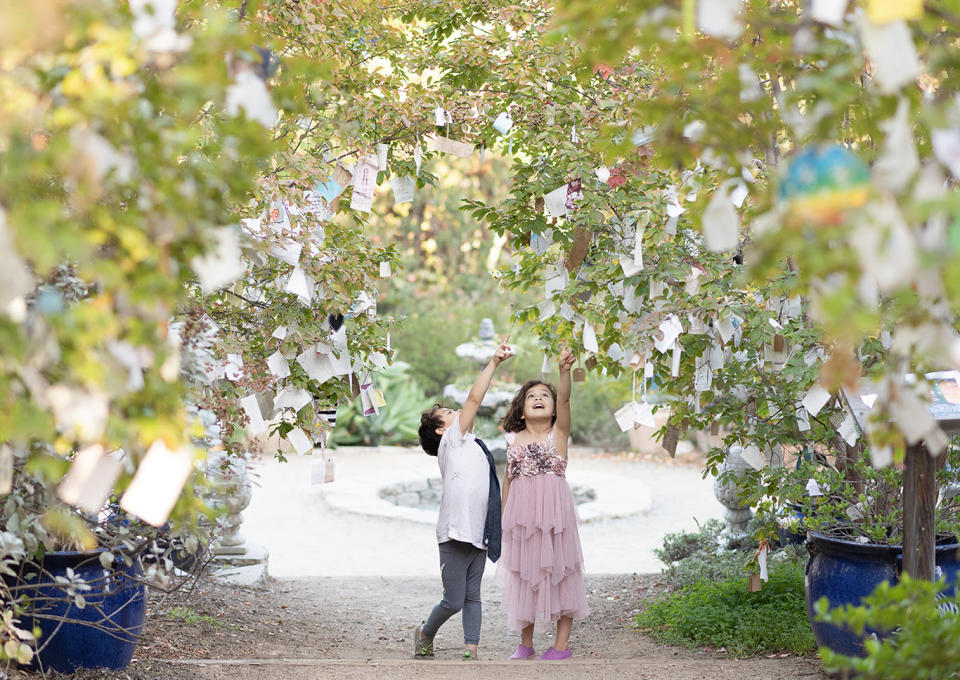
(899, 160)
(157, 484)
(277, 363)
(891, 50)
(385, 270)
(720, 18)
(721, 223)
(403, 189)
(848, 430)
(556, 202)
(321, 472)
(815, 399)
(829, 11)
(452, 147)
(669, 330)
(298, 285)
(946, 146)
(382, 150)
(590, 338)
(220, 267)
(277, 217)
(803, 419)
(252, 409)
(90, 479)
(291, 397)
(813, 488)
(317, 365)
(288, 251)
(753, 457)
(300, 442)
(762, 563)
(503, 123)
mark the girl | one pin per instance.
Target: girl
(542, 563)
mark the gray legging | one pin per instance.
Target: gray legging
(461, 568)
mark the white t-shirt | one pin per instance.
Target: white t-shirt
(466, 487)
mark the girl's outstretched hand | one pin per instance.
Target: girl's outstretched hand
(503, 352)
(566, 359)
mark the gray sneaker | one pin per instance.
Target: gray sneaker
(422, 646)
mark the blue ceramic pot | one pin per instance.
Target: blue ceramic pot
(847, 571)
(104, 633)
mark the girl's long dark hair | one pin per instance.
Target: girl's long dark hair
(513, 421)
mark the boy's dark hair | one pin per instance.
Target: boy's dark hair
(513, 421)
(429, 422)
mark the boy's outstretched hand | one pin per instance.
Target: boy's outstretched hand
(503, 352)
(566, 359)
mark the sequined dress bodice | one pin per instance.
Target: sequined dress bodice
(533, 459)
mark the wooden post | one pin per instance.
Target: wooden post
(919, 499)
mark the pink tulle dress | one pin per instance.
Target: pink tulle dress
(542, 563)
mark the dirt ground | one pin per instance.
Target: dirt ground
(361, 628)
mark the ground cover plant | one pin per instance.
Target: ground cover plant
(725, 614)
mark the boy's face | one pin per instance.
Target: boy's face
(447, 416)
(538, 402)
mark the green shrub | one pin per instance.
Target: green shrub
(925, 646)
(683, 544)
(726, 614)
(398, 420)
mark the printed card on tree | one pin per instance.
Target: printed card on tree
(278, 218)
(90, 479)
(364, 184)
(158, 483)
(403, 189)
(385, 270)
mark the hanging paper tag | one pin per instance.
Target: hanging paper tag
(364, 184)
(321, 472)
(298, 439)
(753, 457)
(385, 270)
(6, 469)
(90, 479)
(503, 123)
(252, 409)
(157, 484)
(815, 399)
(579, 375)
(755, 584)
(278, 365)
(403, 189)
(590, 338)
(382, 151)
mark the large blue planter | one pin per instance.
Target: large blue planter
(846, 572)
(104, 633)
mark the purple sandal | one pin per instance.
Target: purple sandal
(523, 652)
(555, 655)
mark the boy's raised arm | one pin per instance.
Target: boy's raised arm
(481, 385)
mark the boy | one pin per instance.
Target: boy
(468, 528)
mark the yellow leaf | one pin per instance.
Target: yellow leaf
(885, 11)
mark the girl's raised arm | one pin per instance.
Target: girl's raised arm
(562, 425)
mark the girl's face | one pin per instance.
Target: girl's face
(538, 403)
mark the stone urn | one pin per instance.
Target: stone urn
(737, 515)
(234, 495)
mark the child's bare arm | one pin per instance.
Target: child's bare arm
(562, 424)
(481, 385)
(504, 490)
